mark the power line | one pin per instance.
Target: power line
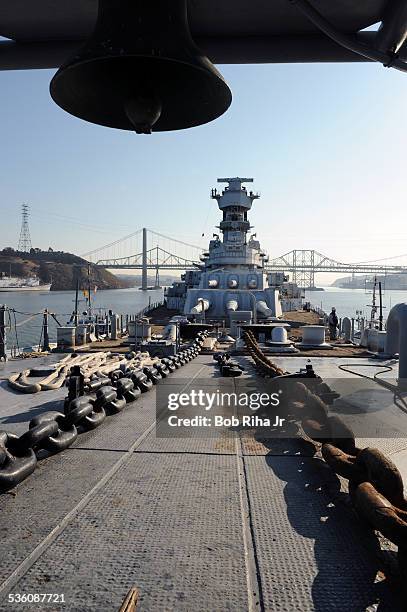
(39, 213)
(75, 221)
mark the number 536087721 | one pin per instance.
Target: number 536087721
(36, 598)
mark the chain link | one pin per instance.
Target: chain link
(63, 438)
(18, 464)
(37, 433)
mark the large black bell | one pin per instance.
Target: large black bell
(141, 71)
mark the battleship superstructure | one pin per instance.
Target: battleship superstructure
(232, 282)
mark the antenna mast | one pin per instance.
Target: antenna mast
(24, 244)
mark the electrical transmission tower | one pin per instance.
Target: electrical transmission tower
(24, 244)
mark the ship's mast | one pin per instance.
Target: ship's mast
(234, 202)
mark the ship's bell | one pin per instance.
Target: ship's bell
(140, 70)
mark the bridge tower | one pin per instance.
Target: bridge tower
(303, 268)
(144, 262)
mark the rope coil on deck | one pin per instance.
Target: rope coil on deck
(375, 484)
(101, 363)
(106, 392)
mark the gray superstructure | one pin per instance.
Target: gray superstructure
(233, 277)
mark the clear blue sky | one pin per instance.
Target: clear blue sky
(325, 144)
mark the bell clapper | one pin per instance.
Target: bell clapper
(143, 112)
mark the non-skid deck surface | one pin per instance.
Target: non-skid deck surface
(196, 524)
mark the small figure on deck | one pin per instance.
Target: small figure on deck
(333, 324)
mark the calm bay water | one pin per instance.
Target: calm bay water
(131, 301)
(347, 301)
(62, 303)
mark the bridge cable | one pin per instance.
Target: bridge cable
(106, 246)
(194, 246)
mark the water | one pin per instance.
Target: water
(130, 301)
(347, 301)
(62, 303)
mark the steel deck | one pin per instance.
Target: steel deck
(194, 524)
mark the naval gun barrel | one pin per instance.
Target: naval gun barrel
(232, 305)
(263, 309)
(201, 306)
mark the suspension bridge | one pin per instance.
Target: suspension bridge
(147, 250)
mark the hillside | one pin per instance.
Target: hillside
(60, 269)
(390, 281)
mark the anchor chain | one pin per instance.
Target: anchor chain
(375, 484)
(87, 405)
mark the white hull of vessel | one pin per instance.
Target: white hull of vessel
(34, 288)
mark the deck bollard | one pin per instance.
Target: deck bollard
(346, 329)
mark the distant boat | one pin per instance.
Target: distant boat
(14, 283)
